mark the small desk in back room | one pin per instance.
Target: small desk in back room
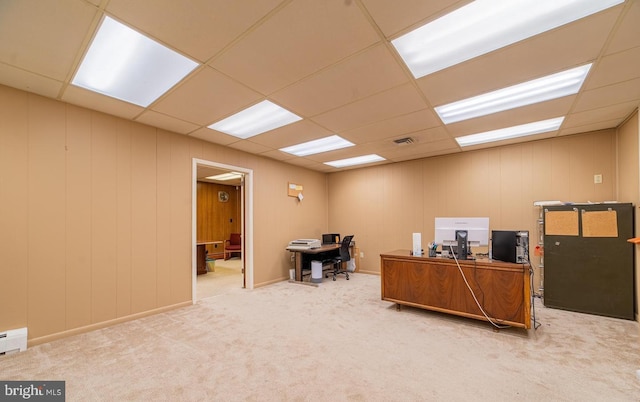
(303, 257)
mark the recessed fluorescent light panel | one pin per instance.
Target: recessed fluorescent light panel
(359, 160)
(539, 90)
(126, 65)
(318, 146)
(225, 176)
(257, 119)
(483, 26)
(523, 130)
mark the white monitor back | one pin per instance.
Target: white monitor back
(477, 229)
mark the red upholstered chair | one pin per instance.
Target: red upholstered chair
(233, 245)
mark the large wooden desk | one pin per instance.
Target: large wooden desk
(502, 289)
(303, 257)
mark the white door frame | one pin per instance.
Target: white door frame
(246, 223)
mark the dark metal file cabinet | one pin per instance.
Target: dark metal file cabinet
(591, 274)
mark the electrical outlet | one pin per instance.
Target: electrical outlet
(362, 254)
(597, 178)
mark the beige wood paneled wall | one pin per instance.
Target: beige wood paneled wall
(383, 205)
(629, 177)
(217, 220)
(95, 211)
(95, 216)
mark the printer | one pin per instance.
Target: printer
(304, 244)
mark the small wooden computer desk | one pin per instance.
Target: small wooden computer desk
(303, 257)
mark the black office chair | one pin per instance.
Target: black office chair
(344, 257)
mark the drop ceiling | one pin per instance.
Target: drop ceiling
(205, 173)
(330, 62)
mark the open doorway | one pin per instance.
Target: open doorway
(216, 270)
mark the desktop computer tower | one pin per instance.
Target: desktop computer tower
(463, 244)
(510, 246)
(522, 246)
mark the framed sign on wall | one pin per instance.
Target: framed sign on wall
(294, 190)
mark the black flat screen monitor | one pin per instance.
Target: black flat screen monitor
(503, 245)
(331, 238)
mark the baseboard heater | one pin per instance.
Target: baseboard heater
(13, 341)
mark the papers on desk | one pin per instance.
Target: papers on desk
(303, 244)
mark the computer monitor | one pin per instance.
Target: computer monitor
(331, 238)
(477, 231)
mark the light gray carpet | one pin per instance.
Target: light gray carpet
(225, 277)
(337, 342)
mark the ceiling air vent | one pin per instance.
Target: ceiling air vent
(404, 141)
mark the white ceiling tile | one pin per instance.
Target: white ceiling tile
(30, 82)
(198, 28)
(619, 111)
(44, 37)
(291, 134)
(160, 120)
(622, 92)
(306, 163)
(441, 147)
(618, 67)
(429, 135)
(627, 34)
(82, 97)
(213, 136)
(278, 155)
(392, 103)
(300, 39)
(407, 13)
(205, 97)
(394, 127)
(603, 125)
(249, 146)
(364, 74)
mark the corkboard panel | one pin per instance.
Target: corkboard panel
(561, 223)
(293, 190)
(599, 223)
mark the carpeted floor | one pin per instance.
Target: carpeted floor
(337, 342)
(225, 277)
